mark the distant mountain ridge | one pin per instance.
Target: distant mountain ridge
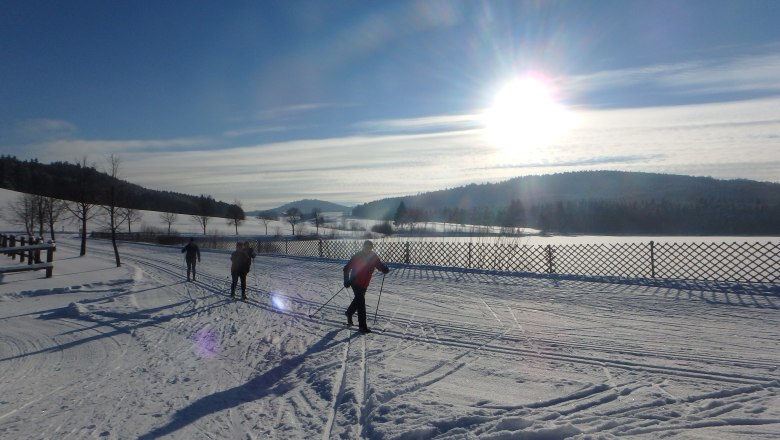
(306, 206)
(600, 202)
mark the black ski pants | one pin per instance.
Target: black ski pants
(236, 276)
(358, 304)
(191, 268)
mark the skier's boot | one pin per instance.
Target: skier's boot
(365, 330)
(349, 319)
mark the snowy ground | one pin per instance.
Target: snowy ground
(137, 352)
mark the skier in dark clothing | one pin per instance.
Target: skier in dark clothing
(193, 253)
(239, 268)
(357, 274)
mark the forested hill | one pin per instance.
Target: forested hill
(305, 206)
(600, 202)
(77, 183)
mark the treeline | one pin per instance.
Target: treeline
(597, 203)
(82, 183)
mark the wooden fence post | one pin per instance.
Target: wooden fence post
(50, 259)
(407, 258)
(22, 242)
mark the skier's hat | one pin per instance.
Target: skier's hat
(368, 244)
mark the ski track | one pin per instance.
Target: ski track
(278, 373)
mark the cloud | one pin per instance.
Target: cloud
(424, 124)
(407, 156)
(729, 75)
(70, 149)
(36, 130)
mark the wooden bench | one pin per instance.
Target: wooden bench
(33, 260)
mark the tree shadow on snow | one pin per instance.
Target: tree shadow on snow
(268, 383)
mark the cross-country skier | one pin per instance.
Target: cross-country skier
(193, 253)
(239, 268)
(357, 274)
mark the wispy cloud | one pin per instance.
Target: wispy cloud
(69, 149)
(44, 129)
(732, 75)
(424, 124)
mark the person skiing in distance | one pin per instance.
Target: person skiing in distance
(239, 268)
(193, 254)
(357, 274)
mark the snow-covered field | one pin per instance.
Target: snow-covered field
(137, 352)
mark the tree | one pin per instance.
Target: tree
(236, 215)
(131, 215)
(319, 220)
(401, 216)
(110, 206)
(82, 206)
(23, 212)
(169, 218)
(205, 207)
(514, 217)
(54, 209)
(265, 218)
(293, 217)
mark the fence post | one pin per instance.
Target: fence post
(406, 253)
(470, 266)
(50, 259)
(652, 259)
(285, 248)
(549, 259)
(320, 244)
(13, 245)
(38, 240)
(22, 242)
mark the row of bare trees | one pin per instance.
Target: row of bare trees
(38, 214)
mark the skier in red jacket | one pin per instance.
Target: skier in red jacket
(357, 274)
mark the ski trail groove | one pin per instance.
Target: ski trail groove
(338, 388)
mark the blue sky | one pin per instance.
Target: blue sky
(350, 101)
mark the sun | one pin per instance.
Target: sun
(524, 116)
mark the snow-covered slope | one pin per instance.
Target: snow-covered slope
(137, 352)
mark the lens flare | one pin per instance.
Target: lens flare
(205, 343)
(279, 302)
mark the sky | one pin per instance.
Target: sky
(268, 102)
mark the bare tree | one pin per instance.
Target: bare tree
(293, 217)
(206, 207)
(169, 218)
(236, 215)
(113, 212)
(23, 212)
(54, 209)
(130, 216)
(82, 207)
(265, 218)
(318, 219)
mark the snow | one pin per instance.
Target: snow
(137, 352)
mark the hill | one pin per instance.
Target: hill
(77, 183)
(602, 202)
(306, 206)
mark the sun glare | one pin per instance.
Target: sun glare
(524, 116)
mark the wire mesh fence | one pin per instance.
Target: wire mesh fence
(757, 262)
(738, 262)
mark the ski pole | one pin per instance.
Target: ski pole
(380, 297)
(326, 303)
